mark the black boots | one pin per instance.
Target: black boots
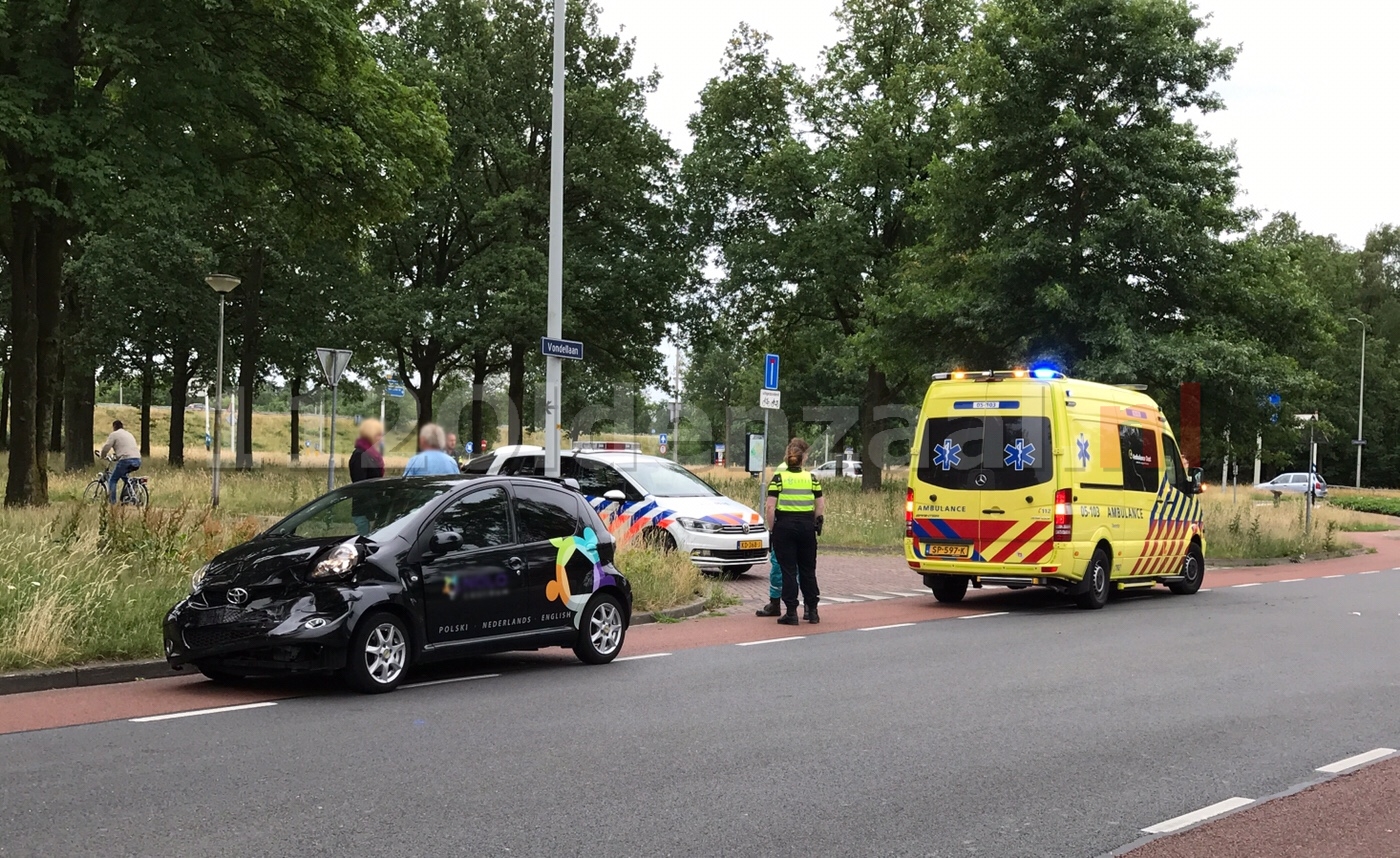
(788, 619)
(772, 609)
(810, 615)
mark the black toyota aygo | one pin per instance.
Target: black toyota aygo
(378, 576)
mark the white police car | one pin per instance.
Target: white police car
(650, 498)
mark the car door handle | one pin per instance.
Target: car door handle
(515, 564)
(994, 511)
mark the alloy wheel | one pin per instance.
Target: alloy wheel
(605, 628)
(385, 653)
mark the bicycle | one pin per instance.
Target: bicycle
(135, 490)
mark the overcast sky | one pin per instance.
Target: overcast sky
(1311, 105)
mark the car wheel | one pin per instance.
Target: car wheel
(1096, 583)
(1193, 572)
(221, 677)
(601, 630)
(379, 654)
(948, 589)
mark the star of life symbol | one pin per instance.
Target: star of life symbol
(946, 455)
(1020, 455)
(1083, 454)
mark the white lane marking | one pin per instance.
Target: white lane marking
(872, 598)
(772, 640)
(1358, 760)
(984, 616)
(842, 600)
(1329, 577)
(1372, 572)
(882, 628)
(452, 680)
(1195, 816)
(905, 594)
(1292, 580)
(1203, 590)
(643, 657)
(1250, 584)
(193, 712)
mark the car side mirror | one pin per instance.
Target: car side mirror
(445, 541)
(1197, 480)
(615, 496)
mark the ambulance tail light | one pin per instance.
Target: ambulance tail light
(1064, 515)
(909, 513)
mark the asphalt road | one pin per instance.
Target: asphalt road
(1045, 732)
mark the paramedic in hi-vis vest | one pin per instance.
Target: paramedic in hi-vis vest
(795, 512)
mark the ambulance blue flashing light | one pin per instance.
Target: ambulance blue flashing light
(1045, 373)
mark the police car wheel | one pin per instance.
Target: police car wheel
(948, 589)
(1096, 583)
(659, 539)
(1193, 569)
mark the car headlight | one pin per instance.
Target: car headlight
(700, 525)
(338, 564)
(197, 581)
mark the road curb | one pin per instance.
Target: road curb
(110, 673)
(693, 609)
(84, 675)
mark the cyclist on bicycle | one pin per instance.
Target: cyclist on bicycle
(127, 457)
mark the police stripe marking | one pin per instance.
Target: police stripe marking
(1358, 760)
(196, 712)
(1196, 816)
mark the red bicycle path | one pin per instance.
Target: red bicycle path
(69, 707)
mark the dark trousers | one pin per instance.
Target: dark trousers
(795, 544)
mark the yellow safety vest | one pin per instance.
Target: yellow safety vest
(796, 490)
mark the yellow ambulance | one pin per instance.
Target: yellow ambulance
(1027, 478)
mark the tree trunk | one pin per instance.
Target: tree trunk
(425, 391)
(872, 460)
(296, 419)
(515, 393)
(248, 361)
(478, 418)
(26, 483)
(5, 403)
(79, 401)
(148, 387)
(179, 398)
(56, 423)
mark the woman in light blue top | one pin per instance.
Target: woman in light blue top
(431, 460)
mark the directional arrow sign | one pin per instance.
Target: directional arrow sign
(333, 362)
(770, 372)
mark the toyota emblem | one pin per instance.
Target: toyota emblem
(238, 596)
(981, 481)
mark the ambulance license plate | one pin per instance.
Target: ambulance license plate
(751, 545)
(949, 550)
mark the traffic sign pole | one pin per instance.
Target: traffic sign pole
(553, 373)
(333, 362)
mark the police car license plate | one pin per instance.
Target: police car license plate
(750, 544)
(943, 549)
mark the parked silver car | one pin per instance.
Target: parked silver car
(827, 471)
(1292, 484)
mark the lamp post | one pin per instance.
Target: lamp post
(223, 284)
(554, 320)
(1360, 402)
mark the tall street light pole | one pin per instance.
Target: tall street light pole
(553, 373)
(223, 284)
(1360, 402)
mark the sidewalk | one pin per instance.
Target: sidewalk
(842, 577)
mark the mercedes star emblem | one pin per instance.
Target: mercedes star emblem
(238, 596)
(981, 481)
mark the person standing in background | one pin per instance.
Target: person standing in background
(367, 463)
(775, 573)
(452, 449)
(431, 460)
(795, 513)
(126, 456)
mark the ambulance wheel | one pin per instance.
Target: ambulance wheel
(948, 589)
(1193, 572)
(1096, 586)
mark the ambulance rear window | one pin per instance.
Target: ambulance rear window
(986, 453)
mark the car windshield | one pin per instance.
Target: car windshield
(665, 480)
(377, 509)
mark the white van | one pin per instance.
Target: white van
(653, 499)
